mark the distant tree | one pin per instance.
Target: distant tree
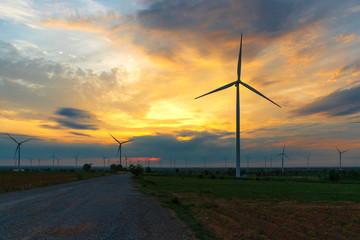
(136, 169)
(148, 170)
(87, 167)
(116, 168)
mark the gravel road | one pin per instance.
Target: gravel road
(98, 208)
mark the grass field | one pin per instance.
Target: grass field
(17, 181)
(260, 209)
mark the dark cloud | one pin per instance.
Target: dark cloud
(215, 22)
(339, 103)
(76, 119)
(80, 134)
(74, 113)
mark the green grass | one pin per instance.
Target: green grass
(195, 199)
(268, 190)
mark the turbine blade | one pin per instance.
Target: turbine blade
(117, 154)
(239, 60)
(26, 140)
(286, 156)
(338, 149)
(16, 150)
(127, 141)
(259, 93)
(12, 138)
(219, 89)
(284, 149)
(114, 138)
(344, 151)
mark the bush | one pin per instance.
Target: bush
(333, 175)
(136, 169)
(87, 167)
(116, 168)
(148, 170)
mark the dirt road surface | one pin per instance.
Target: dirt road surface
(99, 208)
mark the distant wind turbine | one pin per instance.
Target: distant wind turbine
(76, 161)
(340, 155)
(18, 148)
(265, 164)
(120, 144)
(282, 159)
(53, 160)
(308, 162)
(247, 164)
(104, 158)
(237, 85)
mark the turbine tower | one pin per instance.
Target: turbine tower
(18, 148)
(282, 159)
(340, 154)
(76, 162)
(237, 84)
(308, 162)
(120, 144)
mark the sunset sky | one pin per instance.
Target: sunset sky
(73, 71)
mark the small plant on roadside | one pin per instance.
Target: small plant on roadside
(175, 200)
(333, 175)
(87, 167)
(137, 169)
(116, 168)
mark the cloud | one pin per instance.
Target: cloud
(342, 102)
(215, 23)
(80, 134)
(346, 38)
(76, 119)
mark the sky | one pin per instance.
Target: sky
(71, 72)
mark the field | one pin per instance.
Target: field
(17, 181)
(260, 208)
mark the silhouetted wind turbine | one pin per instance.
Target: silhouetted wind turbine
(76, 161)
(120, 144)
(340, 154)
(308, 162)
(53, 160)
(18, 148)
(247, 164)
(237, 85)
(282, 159)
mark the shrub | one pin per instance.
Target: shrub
(116, 168)
(136, 169)
(333, 175)
(148, 170)
(87, 167)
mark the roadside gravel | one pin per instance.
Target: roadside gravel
(98, 208)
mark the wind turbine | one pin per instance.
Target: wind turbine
(104, 158)
(265, 164)
(125, 160)
(247, 164)
(308, 162)
(76, 161)
(120, 144)
(282, 159)
(18, 148)
(53, 160)
(237, 84)
(340, 154)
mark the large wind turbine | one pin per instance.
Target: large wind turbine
(282, 159)
(340, 154)
(237, 85)
(18, 148)
(120, 144)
